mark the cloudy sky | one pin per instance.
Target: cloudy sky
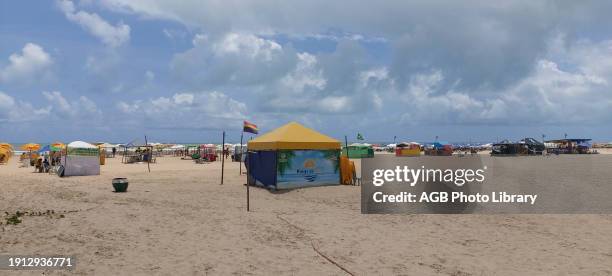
(182, 71)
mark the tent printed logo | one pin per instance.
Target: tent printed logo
(309, 170)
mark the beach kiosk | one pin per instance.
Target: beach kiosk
(293, 156)
(411, 149)
(81, 159)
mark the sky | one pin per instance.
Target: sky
(184, 71)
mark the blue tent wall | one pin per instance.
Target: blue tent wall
(261, 167)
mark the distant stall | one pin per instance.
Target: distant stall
(569, 146)
(358, 150)
(439, 149)
(526, 146)
(408, 149)
(135, 153)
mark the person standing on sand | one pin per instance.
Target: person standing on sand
(114, 151)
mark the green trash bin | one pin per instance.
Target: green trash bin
(120, 185)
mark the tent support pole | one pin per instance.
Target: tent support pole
(241, 152)
(223, 158)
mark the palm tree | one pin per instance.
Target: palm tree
(285, 162)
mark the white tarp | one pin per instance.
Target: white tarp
(82, 159)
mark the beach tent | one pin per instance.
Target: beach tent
(81, 159)
(293, 156)
(357, 150)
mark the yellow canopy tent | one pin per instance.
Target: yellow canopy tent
(293, 156)
(293, 136)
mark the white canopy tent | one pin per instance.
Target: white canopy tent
(81, 159)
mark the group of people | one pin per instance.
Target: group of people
(42, 163)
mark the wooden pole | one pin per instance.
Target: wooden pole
(150, 154)
(223, 158)
(241, 151)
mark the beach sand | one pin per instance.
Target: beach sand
(179, 220)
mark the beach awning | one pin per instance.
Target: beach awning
(293, 136)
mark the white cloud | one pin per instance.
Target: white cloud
(186, 110)
(247, 45)
(12, 111)
(27, 65)
(549, 95)
(233, 58)
(110, 35)
(81, 108)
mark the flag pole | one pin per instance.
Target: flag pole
(241, 151)
(150, 154)
(223, 158)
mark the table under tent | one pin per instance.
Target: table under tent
(134, 152)
(294, 156)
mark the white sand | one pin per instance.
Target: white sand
(178, 220)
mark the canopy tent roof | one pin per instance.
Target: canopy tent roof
(407, 144)
(575, 140)
(440, 144)
(81, 145)
(293, 136)
(107, 145)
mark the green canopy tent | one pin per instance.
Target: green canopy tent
(357, 150)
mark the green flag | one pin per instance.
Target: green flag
(359, 136)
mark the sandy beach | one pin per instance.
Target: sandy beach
(179, 220)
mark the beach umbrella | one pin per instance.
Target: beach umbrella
(57, 146)
(30, 147)
(6, 146)
(45, 149)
